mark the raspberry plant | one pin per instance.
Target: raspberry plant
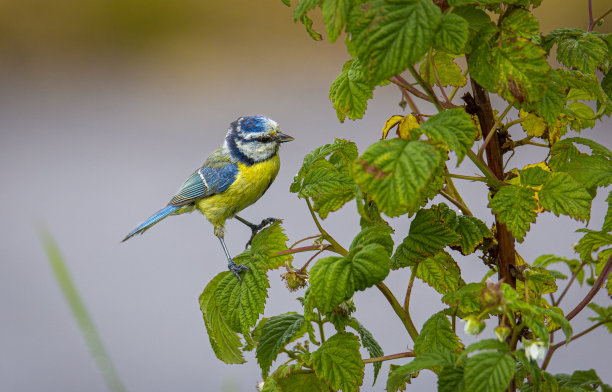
(429, 50)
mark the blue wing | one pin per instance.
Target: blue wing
(214, 177)
(205, 182)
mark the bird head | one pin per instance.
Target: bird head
(253, 139)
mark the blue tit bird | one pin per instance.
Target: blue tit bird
(232, 178)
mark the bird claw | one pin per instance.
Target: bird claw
(255, 228)
(237, 268)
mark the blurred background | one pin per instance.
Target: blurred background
(106, 106)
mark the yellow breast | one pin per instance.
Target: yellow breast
(250, 184)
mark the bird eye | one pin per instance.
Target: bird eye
(265, 139)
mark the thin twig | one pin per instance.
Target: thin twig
(305, 239)
(554, 348)
(590, 27)
(310, 259)
(408, 291)
(399, 311)
(456, 202)
(408, 99)
(303, 249)
(335, 245)
(492, 131)
(596, 21)
(469, 178)
(407, 354)
(425, 86)
(492, 179)
(574, 275)
(435, 71)
(603, 275)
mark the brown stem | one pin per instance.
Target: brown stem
(311, 259)
(594, 23)
(598, 283)
(569, 284)
(403, 83)
(484, 111)
(408, 99)
(303, 249)
(390, 357)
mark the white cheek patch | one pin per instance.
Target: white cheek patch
(257, 151)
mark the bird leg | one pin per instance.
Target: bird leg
(235, 268)
(255, 228)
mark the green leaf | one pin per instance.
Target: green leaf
(303, 7)
(532, 124)
(391, 36)
(607, 225)
(552, 101)
(451, 379)
(289, 379)
(520, 23)
(449, 73)
(588, 170)
(241, 303)
(452, 33)
(591, 242)
(562, 195)
(533, 176)
(579, 115)
(516, 68)
(335, 14)
(335, 279)
(516, 207)
(370, 344)
(453, 128)
(399, 376)
(380, 235)
(466, 298)
(436, 335)
(427, 236)
(350, 91)
(328, 187)
(580, 49)
(225, 343)
(489, 372)
(344, 152)
(471, 229)
(395, 173)
(440, 272)
(264, 247)
(276, 332)
(559, 319)
(604, 315)
(339, 363)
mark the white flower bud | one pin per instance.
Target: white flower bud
(535, 350)
(473, 326)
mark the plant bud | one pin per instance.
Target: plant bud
(473, 326)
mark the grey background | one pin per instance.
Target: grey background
(100, 125)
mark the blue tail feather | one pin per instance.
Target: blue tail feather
(159, 215)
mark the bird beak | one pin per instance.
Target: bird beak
(282, 138)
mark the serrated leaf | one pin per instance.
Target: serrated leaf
(452, 33)
(489, 372)
(335, 14)
(516, 207)
(380, 235)
(579, 116)
(290, 378)
(350, 91)
(516, 68)
(533, 176)
(588, 170)
(454, 128)
(264, 247)
(370, 344)
(440, 272)
(328, 187)
(343, 151)
(471, 229)
(560, 194)
(449, 73)
(335, 279)
(225, 343)
(591, 242)
(427, 236)
(277, 332)
(580, 49)
(532, 124)
(303, 7)
(552, 101)
(520, 23)
(339, 363)
(466, 298)
(604, 315)
(437, 335)
(395, 173)
(559, 319)
(451, 379)
(399, 376)
(391, 36)
(607, 225)
(243, 302)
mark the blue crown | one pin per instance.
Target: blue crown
(254, 124)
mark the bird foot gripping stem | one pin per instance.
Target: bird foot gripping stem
(237, 268)
(255, 228)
